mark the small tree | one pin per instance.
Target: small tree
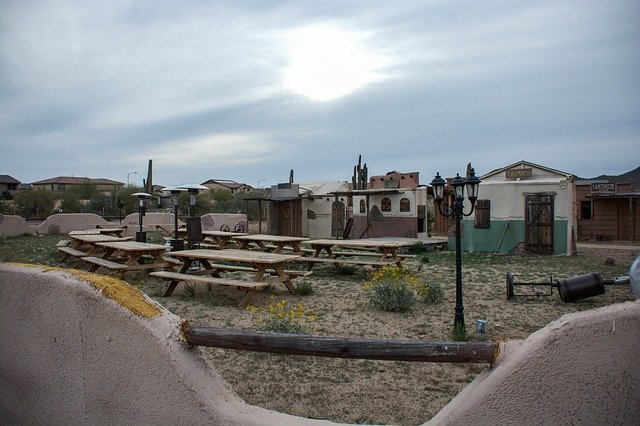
(35, 204)
(70, 202)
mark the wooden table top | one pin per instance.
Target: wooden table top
(132, 246)
(271, 238)
(97, 238)
(362, 243)
(223, 233)
(233, 255)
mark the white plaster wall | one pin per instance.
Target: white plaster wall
(581, 369)
(72, 356)
(13, 226)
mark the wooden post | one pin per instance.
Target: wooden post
(389, 350)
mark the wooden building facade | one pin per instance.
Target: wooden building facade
(607, 211)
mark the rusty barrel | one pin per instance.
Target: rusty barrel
(580, 287)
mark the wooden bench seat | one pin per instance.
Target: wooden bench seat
(271, 271)
(248, 286)
(104, 263)
(68, 252)
(63, 243)
(374, 263)
(369, 254)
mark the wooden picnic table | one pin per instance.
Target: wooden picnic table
(82, 245)
(134, 254)
(388, 251)
(117, 232)
(261, 264)
(271, 243)
(223, 238)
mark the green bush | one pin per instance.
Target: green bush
(429, 292)
(459, 333)
(424, 258)
(304, 288)
(391, 295)
(346, 270)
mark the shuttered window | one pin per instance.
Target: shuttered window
(363, 207)
(405, 205)
(385, 205)
(483, 213)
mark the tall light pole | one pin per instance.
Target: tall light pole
(472, 184)
(128, 174)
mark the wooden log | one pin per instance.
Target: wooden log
(333, 347)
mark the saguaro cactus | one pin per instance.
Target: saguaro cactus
(360, 175)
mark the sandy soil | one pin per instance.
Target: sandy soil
(363, 391)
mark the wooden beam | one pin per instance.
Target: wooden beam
(333, 347)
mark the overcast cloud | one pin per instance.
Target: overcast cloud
(247, 90)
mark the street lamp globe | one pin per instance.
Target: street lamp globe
(458, 187)
(438, 188)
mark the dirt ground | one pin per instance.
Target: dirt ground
(387, 392)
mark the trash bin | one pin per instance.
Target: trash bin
(581, 287)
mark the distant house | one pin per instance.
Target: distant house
(64, 183)
(607, 210)
(9, 184)
(522, 206)
(227, 185)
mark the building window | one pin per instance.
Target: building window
(363, 207)
(405, 205)
(483, 213)
(385, 205)
(311, 214)
(585, 210)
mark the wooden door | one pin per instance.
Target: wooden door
(338, 214)
(624, 220)
(539, 223)
(289, 220)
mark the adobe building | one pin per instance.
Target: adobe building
(308, 209)
(393, 205)
(607, 210)
(522, 206)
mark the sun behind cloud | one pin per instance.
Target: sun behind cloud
(327, 62)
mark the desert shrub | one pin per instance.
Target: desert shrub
(346, 270)
(429, 292)
(277, 318)
(459, 333)
(304, 288)
(391, 295)
(424, 258)
(417, 248)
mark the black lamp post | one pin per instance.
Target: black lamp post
(472, 184)
(141, 236)
(176, 242)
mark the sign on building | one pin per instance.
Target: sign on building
(603, 188)
(519, 173)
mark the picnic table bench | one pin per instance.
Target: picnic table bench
(134, 255)
(387, 252)
(261, 264)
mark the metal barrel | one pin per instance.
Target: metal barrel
(580, 287)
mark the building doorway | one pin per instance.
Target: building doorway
(539, 222)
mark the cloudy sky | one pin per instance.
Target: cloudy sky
(247, 90)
